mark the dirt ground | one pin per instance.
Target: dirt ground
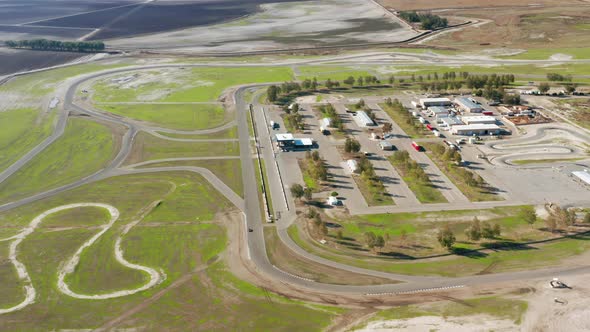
(559, 309)
(456, 4)
(507, 24)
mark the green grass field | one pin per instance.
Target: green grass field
(546, 53)
(530, 257)
(227, 133)
(194, 85)
(173, 116)
(149, 147)
(229, 171)
(211, 299)
(85, 147)
(420, 229)
(337, 73)
(20, 131)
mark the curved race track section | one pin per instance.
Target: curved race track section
(30, 292)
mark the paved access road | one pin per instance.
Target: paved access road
(251, 204)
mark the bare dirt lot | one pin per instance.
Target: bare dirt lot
(504, 23)
(457, 4)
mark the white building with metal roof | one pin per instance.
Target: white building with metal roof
(476, 129)
(468, 105)
(479, 119)
(362, 119)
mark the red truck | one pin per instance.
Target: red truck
(416, 146)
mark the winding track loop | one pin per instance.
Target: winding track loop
(30, 292)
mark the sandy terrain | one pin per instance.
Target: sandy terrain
(443, 324)
(570, 314)
(282, 25)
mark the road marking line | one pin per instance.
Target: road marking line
(292, 275)
(246, 235)
(415, 291)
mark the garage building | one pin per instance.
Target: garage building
(468, 105)
(428, 102)
(483, 119)
(476, 129)
(439, 111)
(450, 121)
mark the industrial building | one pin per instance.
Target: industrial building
(450, 121)
(287, 142)
(468, 105)
(476, 129)
(428, 102)
(362, 119)
(439, 111)
(483, 119)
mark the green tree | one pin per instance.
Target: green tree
(272, 93)
(387, 127)
(487, 232)
(351, 145)
(379, 242)
(307, 193)
(587, 217)
(370, 239)
(544, 87)
(446, 238)
(528, 214)
(473, 232)
(297, 191)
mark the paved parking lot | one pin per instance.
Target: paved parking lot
(517, 186)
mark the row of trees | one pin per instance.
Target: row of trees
(56, 45)
(451, 158)
(478, 230)
(409, 167)
(360, 81)
(559, 77)
(315, 167)
(428, 21)
(569, 87)
(396, 106)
